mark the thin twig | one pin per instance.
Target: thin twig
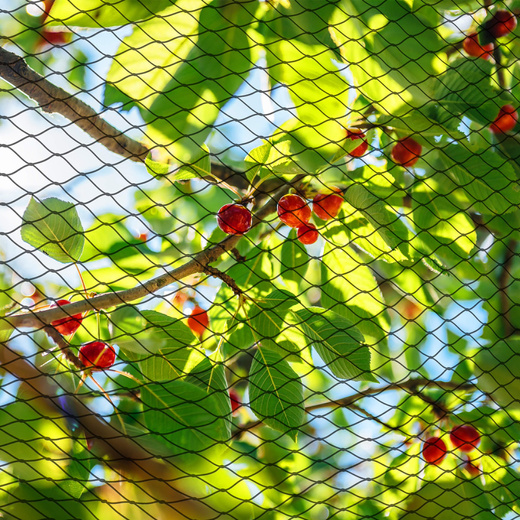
(411, 386)
(64, 347)
(213, 271)
(503, 286)
(53, 99)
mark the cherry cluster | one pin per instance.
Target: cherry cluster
(463, 437)
(295, 212)
(500, 24)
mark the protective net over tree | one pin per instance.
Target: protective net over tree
(259, 259)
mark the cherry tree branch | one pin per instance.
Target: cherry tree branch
(198, 264)
(53, 99)
(412, 386)
(161, 480)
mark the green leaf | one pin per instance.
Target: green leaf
(184, 416)
(99, 13)
(387, 223)
(350, 289)
(416, 122)
(198, 168)
(211, 377)
(294, 259)
(267, 317)
(467, 88)
(276, 392)
(143, 333)
(182, 114)
(156, 168)
(53, 226)
(444, 228)
(271, 159)
(487, 178)
(148, 58)
(338, 342)
(393, 68)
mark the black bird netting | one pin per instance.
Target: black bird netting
(259, 259)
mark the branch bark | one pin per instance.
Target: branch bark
(53, 99)
(161, 480)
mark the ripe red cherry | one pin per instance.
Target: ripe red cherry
(234, 219)
(327, 205)
(198, 321)
(235, 400)
(472, 47)
(406, 152)
(293, 211)
(505, 121)
(434, 450)
(472, 468)
(68, 325)
(308, 234)
(97, 355)
(502, 23)
(356, 133)
(465, 437)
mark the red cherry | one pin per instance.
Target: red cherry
(434, 450)
(327, 205)
(308, 234)
(51, 38)
(502, 23)
(97, 355)
(472, 468)
(472, 47)
(293, 211)
(235, 400)
(465, 437)
(406, 152)
(234, 219)
(356, 133)
(68, 325)
(198, 321)
(505, 121)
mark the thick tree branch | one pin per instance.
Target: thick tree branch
(197, 264)
(53, 99)
(160, 480)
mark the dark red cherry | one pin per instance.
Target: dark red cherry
(354, 134)
(235, 400)
(500, 24)
(234, 219)
(293, 211)
(434, 450)
(472, 47)
(465, 437)
(406, 152)
(97, 355)
(68, 325)
(308, 234)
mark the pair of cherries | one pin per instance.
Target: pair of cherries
(95, 355)
(463, 437)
